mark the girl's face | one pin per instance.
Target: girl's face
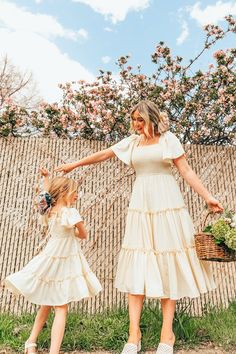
(73, 197)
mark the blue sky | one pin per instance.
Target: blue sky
(65, 40)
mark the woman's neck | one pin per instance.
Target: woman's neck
(150, 138)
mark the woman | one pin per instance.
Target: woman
(158, 257)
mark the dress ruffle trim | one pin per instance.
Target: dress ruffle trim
(156, 211)
(146, 250)
(60, 258)
(75, 276)
(172, 274)
(41, 292)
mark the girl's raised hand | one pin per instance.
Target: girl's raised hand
(68, 167)
(44, 172)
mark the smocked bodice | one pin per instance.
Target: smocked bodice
(62, 224)
(148, 160)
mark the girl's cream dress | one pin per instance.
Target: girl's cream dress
(158, 257)
(60, 273)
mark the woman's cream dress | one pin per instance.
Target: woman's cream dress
(158, 257)
(60, 273)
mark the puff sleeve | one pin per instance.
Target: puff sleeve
(172, 147)
(70, 217)
(123, 149)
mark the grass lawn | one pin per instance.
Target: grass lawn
(108, 331)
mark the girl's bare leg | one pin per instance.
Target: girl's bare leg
(58, 328)
(39, 322)
(168, 311)
(135, 309)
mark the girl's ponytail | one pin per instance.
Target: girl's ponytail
(44, 203)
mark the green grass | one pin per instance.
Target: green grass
(108, 331)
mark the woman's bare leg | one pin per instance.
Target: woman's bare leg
(135, 309)
(168, 311)
(58, 328)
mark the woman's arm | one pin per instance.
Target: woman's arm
(88, 160)
(193, 180)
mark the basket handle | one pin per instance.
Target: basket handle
(206, 217)
(209, 212)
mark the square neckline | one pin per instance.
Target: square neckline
(141, 146)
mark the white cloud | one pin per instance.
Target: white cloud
(115, 10)
(108, 29)
(17, 18)
(212, 13)
(184, 34)
(106, 59)
(83, 33)
(32, 49)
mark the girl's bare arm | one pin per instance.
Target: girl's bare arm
(80, 230)
(44, 172)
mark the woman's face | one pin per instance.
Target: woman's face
(138, 122)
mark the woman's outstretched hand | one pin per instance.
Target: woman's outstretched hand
(214, 205)
(66, 168)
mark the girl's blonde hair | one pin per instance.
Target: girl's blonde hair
(61, 188)
(151, 114)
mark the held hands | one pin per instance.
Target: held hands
(214, 205)
(68, 167)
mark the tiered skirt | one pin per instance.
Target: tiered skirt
(158, 257)
(58, 275)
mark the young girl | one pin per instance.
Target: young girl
(60, 273)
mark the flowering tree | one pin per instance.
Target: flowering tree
(201, 105)
(18, 94)
(16, 85)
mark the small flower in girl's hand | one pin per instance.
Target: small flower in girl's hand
(44, 172)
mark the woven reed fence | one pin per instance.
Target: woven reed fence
(104, 197)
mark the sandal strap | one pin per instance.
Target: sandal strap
(164, 348)
(30, 345)
(130, 348)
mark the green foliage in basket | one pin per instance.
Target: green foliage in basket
(208, 229)
(224, 230)
(219, 230)
(230, 239)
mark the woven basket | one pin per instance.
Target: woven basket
(208, 250)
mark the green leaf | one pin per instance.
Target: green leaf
(208, 228)
(218, 241)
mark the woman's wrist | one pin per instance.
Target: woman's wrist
(208, 198)
(75, 164)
